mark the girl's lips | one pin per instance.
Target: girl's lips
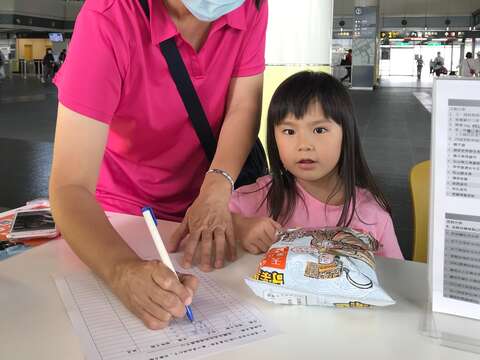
(306, 164)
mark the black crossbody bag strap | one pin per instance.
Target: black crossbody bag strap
(145, 8)
(187, 92)
(189, 97)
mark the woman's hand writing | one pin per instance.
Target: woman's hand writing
(152, 292)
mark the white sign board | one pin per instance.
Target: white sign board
(454, 253)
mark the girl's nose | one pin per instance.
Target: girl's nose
(305, 144)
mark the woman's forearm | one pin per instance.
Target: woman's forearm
(233, 148)
(85, 227)
(234, 145)
(240, 128)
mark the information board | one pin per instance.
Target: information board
(364, 47)
(365, 22)
(454, 244)
(364, 35)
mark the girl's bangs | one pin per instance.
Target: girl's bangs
(298, 95)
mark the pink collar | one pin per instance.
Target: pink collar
(162, 27)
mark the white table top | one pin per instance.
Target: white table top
(34, 324)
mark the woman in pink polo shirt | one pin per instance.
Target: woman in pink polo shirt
(124, 139)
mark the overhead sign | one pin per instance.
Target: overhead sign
(342, 34)
(429, 34)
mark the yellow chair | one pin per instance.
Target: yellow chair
(420, 187)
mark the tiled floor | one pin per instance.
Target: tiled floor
(395, 131)
(406, 81)
(27, 126)
(394, 126)
(425, 98)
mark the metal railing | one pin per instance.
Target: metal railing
(26, 68)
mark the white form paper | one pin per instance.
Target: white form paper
(108, 330)
(455, 202)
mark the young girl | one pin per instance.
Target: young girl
(319, 176)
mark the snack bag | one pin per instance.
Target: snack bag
(330, 266)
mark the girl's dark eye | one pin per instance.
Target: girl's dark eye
(319, 130)
(288, 131)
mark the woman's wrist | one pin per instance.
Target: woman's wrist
(118, 272)
(219, 178)
(217, 184)
(222, 173)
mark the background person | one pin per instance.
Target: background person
(124, 140)
(48, 66)
(468, 67)
(419, 60)
(348, 67)
(438, 66)
(2, 66)
(477, 63)
(62, 57)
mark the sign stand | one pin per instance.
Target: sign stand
(453, 314)
(451, 330)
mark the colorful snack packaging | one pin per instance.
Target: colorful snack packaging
(330, 266)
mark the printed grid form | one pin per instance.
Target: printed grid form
(221, 322)
(463, 152)
(462, 258)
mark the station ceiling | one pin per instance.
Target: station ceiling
(413, 7)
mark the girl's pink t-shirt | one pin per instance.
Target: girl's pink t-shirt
(369, 216)
(115, 73)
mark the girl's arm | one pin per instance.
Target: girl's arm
(388, 239)
(78, 152)
(208, 223)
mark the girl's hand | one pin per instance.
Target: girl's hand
(207, 227)
(256, 235)
(152, 292)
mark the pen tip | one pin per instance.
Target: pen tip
(189, 314)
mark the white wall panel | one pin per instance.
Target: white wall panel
(7, 6)
(299, 32)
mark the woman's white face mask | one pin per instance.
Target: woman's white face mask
(211, 10)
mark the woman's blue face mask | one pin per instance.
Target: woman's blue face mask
(210, 10)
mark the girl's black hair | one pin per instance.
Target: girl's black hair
(258, 3)
(294, 97)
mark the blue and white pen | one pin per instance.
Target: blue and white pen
(162, 251)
